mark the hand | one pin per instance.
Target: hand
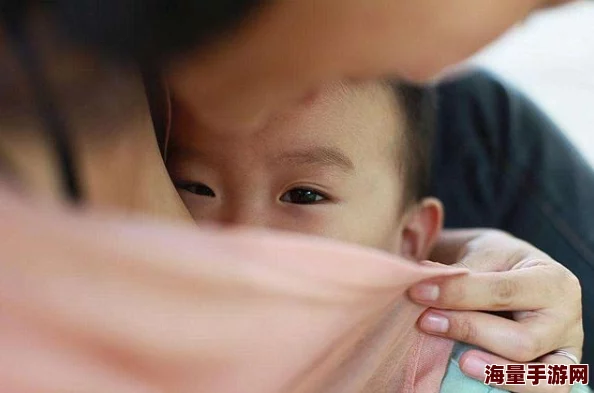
(544, 299)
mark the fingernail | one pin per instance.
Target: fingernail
(435, 323)
(474, 367)
(425, 292)
(427, 262)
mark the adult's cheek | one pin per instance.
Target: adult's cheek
(442, 34)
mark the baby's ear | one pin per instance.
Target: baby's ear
(421, 229)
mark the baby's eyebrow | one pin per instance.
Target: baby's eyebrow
(327, 156)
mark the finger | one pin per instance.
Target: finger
(473, 364)
(508, 338)
(553, 358)
(500, 291)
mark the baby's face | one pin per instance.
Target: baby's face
(328, 168)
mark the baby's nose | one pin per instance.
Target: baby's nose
(245, 215)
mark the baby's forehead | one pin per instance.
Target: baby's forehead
(362, 95)
(363, 120)
(369, 110)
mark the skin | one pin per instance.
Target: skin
(331, 168)
(290, 48)
(106, 111)
(310, 171)
(232, 180)
(238, 91)
(522, 268)
(181, 308)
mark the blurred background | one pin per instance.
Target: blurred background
(550, 57)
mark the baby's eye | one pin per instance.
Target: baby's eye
(197, 188)
(303, 196)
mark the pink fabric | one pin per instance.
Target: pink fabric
(258, 312)
(428, 368)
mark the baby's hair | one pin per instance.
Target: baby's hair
(418, 104)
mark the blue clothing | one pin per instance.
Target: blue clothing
(455, 381)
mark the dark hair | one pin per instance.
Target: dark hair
(418, 104)
(149, 30)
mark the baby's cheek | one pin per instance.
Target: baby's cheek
(377, 230)
(339, 222)
(352, 226)
(199, 209)
(322, 220)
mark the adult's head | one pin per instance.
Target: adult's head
(243, 59)
(238, 61)
(235, 63)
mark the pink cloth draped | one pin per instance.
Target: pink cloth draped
(256, 312)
